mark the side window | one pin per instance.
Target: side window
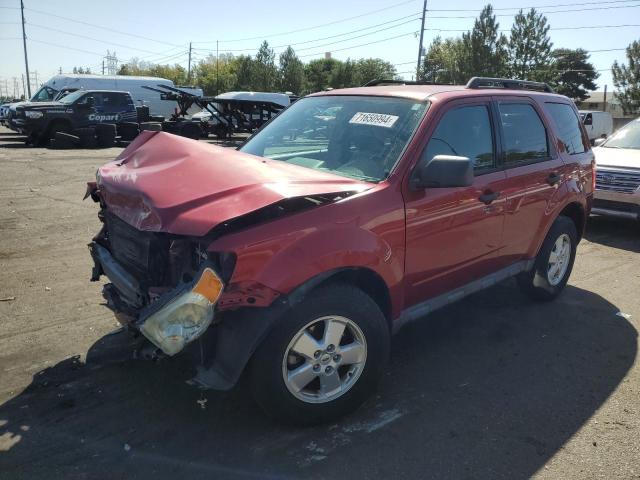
(464, 132)
(112, 100)
(524, 135)
(568, 126)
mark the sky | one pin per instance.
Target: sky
(63, 34)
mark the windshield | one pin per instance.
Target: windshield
(44, 94)
(72, 97)
(353, 136)
(627, 137)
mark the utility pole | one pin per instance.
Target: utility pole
(24, 42)
(60, 71)
(217, 69)
(424, 14)
(24, 90)
(103, 66)
(605, 99)
(189, 68)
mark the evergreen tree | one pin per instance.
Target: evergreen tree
(291, 72)
(265, 71)
(572, 73)
(243, 69)
(530, 47)
(627, 80)
(486, 48)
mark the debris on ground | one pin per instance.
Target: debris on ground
(7, 299)
(626, 316)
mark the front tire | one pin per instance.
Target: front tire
(554, 262)
(323, 359)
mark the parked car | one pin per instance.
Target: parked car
(296, 257)
(45, 94)
(80, 109)
(64, 83)
(618, 173)
(597, 124)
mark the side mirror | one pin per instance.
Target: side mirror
(599, 141)
(443, 171)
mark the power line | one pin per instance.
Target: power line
(321, 38)
(327, 44)
(314, 27)
(361, 45)
(542, 12)
(582, 27)
(531, 6)
(102, 27)
(93, 38)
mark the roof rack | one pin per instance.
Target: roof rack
(378, 82)
(488, 82)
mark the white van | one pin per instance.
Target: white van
(133, 85)
(598, 124)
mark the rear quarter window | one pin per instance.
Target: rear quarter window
(567, 127)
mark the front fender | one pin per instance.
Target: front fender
(281, 255)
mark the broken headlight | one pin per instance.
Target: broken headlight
(186, 317)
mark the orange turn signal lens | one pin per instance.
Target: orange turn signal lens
(209, 286)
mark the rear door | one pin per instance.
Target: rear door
(454, 233)
(534, 171)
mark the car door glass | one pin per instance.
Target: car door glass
(464, 132)
(568, 127)
(524, 135)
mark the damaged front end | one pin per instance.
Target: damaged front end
(161, 285)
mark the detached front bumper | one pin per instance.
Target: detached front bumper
(175, 318)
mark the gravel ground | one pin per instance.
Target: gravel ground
(493, 387)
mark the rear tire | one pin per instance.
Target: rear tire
(554, 262)
(106, 135)
(128, 130)
(337, 342)
(66, 140)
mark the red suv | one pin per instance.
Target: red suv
(350, 214)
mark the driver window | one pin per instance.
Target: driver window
(464, 132)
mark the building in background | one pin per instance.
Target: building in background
(596, 101)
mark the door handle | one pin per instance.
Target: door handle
(488, 197)
(554, 178)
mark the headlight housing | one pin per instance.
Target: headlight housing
(186, 317)
(33, 114)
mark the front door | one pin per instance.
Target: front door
(453, 234)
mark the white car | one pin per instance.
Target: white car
(618, 173)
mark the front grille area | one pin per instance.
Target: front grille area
(624, 181)
(143, 254)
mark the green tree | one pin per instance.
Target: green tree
(446, 61)
(214, 75)
(367, 69)
(344, 75)
(243, 68)
(626, 79)
(485, 48)
(571, 73)
(291, 72)
(318, 74)
(530, 47)
(265, 73)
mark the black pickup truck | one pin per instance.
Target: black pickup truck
(78, 110)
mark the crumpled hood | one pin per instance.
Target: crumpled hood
(617, 157)
(163, 182)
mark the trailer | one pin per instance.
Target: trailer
(223, 115)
